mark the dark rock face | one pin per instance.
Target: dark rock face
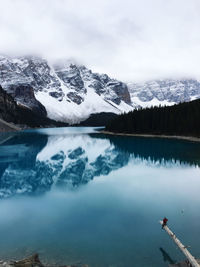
(27, 70)
(58, 95)
(121, 91)
(8, 107)
(19, 77)
(22, 114)
(74, 97)
(71, 77)
(112, 89)
(24, 94)
(99, 87)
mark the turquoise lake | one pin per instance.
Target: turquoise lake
(76, 196)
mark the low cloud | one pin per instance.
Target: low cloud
(130, 40)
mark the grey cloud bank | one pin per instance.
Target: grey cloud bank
(130, 40)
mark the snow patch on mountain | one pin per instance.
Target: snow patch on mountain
(154, 102)
(70, 112)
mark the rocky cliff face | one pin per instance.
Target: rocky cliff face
(68, 91)
(33, 115)
(8, 106)
(164, 92)
(16, 83)
(24, 95)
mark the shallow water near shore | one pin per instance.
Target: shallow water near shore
(77, 196)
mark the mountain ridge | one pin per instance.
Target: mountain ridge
(164, 92)
(68, 92)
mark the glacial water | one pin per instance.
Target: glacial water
(79, 197)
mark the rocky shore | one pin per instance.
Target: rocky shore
(187, 138)
(8, 127)
(32, 261)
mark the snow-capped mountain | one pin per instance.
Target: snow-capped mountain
(68, 91)
(164, 92)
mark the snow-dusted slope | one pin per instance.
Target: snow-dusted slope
(69, 92)
(69, 111)
(164, 92)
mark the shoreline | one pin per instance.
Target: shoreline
(8, 127)
(33, 261)
(179, 137)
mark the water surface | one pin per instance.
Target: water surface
(77, 196)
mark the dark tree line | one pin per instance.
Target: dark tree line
(180, 119)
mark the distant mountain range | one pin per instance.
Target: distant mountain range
(71, 93)
(164, 92)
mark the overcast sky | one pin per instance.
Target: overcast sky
(131, 40)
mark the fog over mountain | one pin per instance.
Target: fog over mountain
(129, 40)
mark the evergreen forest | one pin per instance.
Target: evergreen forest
(180, 119)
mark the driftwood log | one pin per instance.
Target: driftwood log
(32, 261)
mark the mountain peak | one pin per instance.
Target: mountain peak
(69, 91)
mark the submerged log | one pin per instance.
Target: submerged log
(191, 259)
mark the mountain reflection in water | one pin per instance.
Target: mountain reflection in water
(161, 150)
(32, 163)
(74, 195)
